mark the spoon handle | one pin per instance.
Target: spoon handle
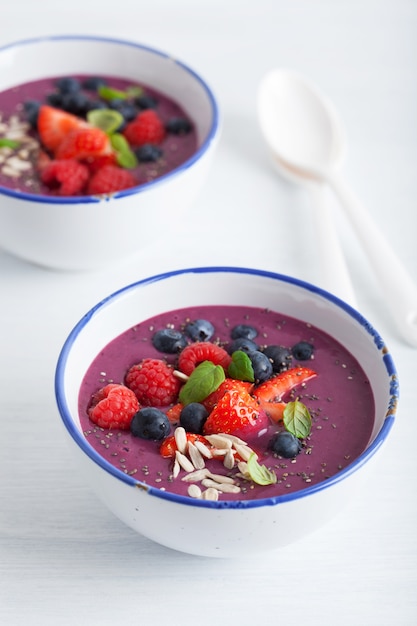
(398, 287)
(334, 270)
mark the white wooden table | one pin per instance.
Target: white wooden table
(64, 559)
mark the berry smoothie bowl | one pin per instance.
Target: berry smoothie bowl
(97, 136)
(206, 404)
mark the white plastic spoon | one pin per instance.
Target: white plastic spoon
(334, 272)
(303, 131)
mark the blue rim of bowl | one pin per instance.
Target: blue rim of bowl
(235, 504)
(213, 132)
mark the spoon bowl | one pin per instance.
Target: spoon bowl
(304, 131)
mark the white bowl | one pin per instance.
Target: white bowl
(222, 529)
(87, 233)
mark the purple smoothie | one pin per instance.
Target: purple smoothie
(18, 165)
(339, 399)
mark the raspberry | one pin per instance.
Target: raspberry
(154, 383)
(110, 178)
(113, 406)
(68, 176)
(146, 128)
(201, 351)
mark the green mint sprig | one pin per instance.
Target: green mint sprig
(203, 380)
(297, 419)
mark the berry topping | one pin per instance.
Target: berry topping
(109, 179)
(169, 341)
(68, 177)
(92, 83)
(229, 384)
(236, 413)
(146, 102)
(31, 109)
(262, 366)
(113, 406)
(169, 446)
(198, 352)
(54, 125)
(199, 330)
(279, 356)
(275, 389)
(193, 417)
(244, 344)
(302, 351)
(81, 143)
(145, 128)
(154, 382)
(285, 444)
(243, 330)
(150, 423)
(179, 126)
(148, 153)
(67, 84)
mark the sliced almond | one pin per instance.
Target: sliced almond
(184, 462)
(196, 458)
(210, 494)
(194, 491)
(223, 487)
(196, 476)
(219, 441)
(181, 439)
(203, 449)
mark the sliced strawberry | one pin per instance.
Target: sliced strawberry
(174, 412)
(236, 413)
(274, 389)
(201, 351)
(168, 447)
(54, 125)
(229, 384)
(81, 143)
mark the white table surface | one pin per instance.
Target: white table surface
(64, 559)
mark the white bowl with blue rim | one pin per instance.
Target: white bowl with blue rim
(222, 528)
(82, 233)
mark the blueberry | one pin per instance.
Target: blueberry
(178, 126)
(68, 84)
(302, 351)
(127, 109)
(279, 356)
(262, 366)
(76, 103)
(92, 83)
(285, 444)
(199, 330)
(54, 99)
(148, 153)
(169, 341)
(246, 345)
(150, 423)
(243, 330)
(31, 108)
(146, 102)
(96, 104)
(193, 417)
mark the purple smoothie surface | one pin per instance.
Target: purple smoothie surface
(13, 124)
(339, 398)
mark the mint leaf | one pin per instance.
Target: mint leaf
(8, 143)
(124, 155)
(205, 379)
(105, 119)
(241, 367)
(108, 93)
(260, 474)
(297, 419)
(134, 91)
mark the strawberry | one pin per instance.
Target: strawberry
(201, 351)
(174, 412)
(54, 125)
(81, 143)
(236, 413)
(113, 406)
(229, 384)
(270, 394)
(146, 128)
(68, 176)
(110, 178)
(169, 447)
